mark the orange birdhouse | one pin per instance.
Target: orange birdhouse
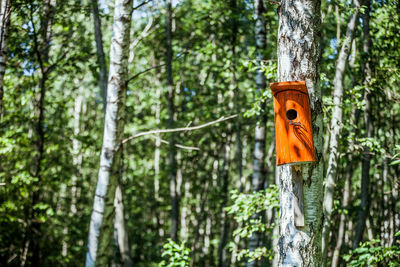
(293, 127)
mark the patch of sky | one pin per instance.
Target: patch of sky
(190, 93)
(28, 69)
(334, 45)
(104, 6)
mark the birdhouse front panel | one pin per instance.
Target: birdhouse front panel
(293, 127)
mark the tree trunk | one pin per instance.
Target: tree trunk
(121, 241)
(258, 177)
(364, 207)
(101, 59)
(77, 163)
(5, 14)
(336, 127)
(345, 203)
(120, 228)
(299, 60)
(42, 44)
(224, 175)
(101, 223)
(171, 121)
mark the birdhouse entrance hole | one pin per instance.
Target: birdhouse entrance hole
(293, 125)
(291, 114)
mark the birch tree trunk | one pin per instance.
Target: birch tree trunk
(120, 228)
(121, 235)
(258, 177)
(336, 127)
(299, 60)
(101, 59)
(101, 223)
(5, 14)
(345, 203)
(171, 113)
(364, 207)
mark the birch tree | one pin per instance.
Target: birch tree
(5, 13)
(101, 223)
(299, 60)
(336, 126)
(119, 222)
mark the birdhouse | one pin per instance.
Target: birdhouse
(293, 127)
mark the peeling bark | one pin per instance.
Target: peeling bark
(299, 60)
(101, 223)
(5, 14)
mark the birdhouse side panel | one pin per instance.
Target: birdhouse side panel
(300, 128)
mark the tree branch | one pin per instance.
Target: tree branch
(151, 68)
(141, 4)
(184, 129)
(142, 72)
(177, 145)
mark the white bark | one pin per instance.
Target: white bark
(336, 127)
(298, 60)
(5, 13)
(76, 151)
(120, 228)
(101, 223)
(77, 163)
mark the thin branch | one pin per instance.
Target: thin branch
(146, 31)
(152, 68)
(146, 70)
(184, 129)
(141, 4)
(177, 145)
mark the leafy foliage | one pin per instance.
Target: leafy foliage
(372, 253)
(244, 207)
(175, 255)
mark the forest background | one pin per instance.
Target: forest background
(203, 195)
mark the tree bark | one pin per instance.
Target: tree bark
(366, 161)
(101, 223)
(258, 177)
(101, 59)
(42, 45)
(171, 121)
(345, 203)
(120, 228)
(224, 175)
(336, 127)
(121, 235)
(5, 14)
(299, 60)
